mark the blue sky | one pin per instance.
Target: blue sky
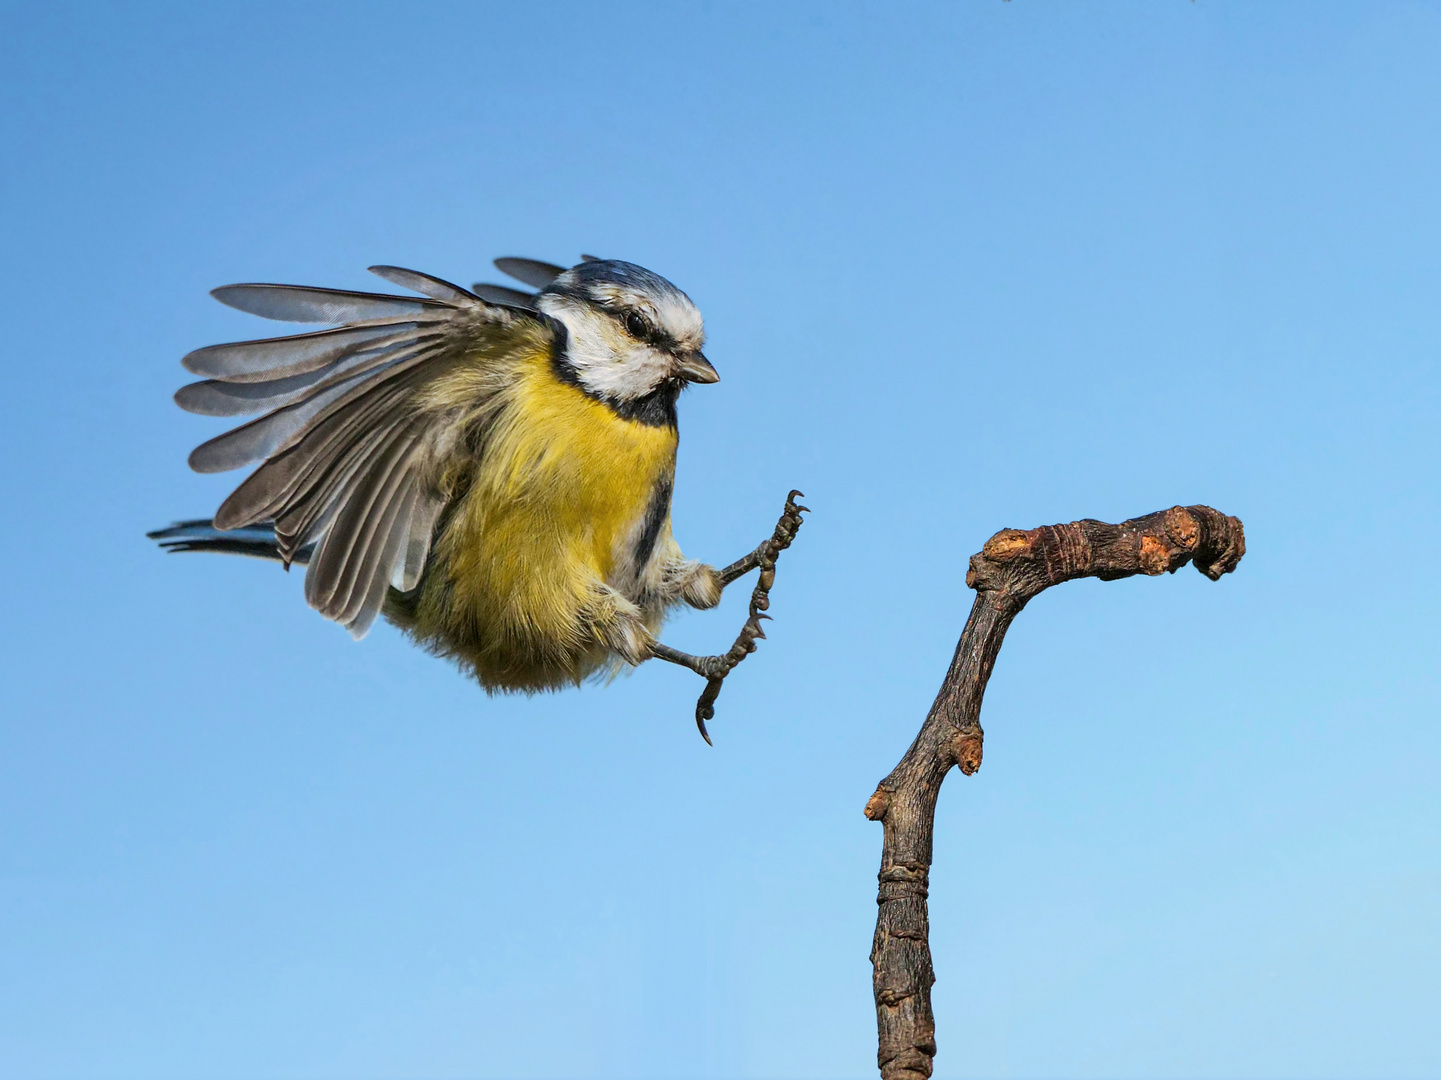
(964, 266)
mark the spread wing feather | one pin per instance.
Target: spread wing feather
(503, 294)
(277, 358)
(268, 435)
(346, 434)
(366, 582)
(335, 473)
(306, 304)
(417, 543)
(531, 271)
(216, 397)
(261, 438)
(360, 617)
(281, 489)
(221, 397)
(349, 547)
(433, 287)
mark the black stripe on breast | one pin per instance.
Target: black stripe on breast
(656, 409)
(655, 516)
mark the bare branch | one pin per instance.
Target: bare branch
(1013, 567)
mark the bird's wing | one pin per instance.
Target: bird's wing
(348, 430)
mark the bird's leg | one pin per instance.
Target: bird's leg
(714, 669)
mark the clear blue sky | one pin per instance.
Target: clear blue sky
(964, 266)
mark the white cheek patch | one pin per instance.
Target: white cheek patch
(608, 362)
(625, 378)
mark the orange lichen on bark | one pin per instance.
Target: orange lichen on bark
(1155, 556)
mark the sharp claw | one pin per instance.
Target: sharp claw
(715, 668)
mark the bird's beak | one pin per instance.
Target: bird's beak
(694, 367)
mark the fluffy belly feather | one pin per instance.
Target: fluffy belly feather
(554, 509)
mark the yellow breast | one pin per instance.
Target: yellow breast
(562, 487)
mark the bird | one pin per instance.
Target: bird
(489, 469)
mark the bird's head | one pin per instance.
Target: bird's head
(629, 332)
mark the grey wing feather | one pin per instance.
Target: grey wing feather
(219, 397)
(433, 287)
(346, 435)
(417, 544)
(503, 294)
(306, 304)
(359, 619)
(271, 433)
(531, 271)
(328, 479)
(261, 438)
(291, 482)
(344, 562)
(279, 358)
(376, 566)
(294, 486)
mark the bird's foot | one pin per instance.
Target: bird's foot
(714, 669)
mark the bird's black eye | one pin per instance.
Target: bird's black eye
(636, 326)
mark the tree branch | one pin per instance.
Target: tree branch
(1013, 567)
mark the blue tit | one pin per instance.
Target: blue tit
(490, 469)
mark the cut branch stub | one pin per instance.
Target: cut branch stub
(1013, 567)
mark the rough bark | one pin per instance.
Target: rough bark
(1012, 568)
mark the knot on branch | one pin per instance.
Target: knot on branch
(967, 747)
(878, 804)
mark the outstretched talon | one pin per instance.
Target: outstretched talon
(765, 554)
(714, 669)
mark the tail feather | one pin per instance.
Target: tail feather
(257, 541)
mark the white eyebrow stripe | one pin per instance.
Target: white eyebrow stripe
(674, 313)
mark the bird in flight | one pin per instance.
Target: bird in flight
(490, 469)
